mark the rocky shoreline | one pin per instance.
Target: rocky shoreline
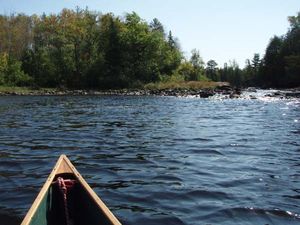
(202, 93)
(224, 91)
(288, 93)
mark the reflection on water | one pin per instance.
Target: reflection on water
(158, 160)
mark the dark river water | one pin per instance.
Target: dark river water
(158, 160)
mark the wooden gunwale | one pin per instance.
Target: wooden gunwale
(64, 165)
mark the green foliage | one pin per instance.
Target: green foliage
(273, 63)
(109, 61)
(251, 75)
(196, 59)
(3, 67)
(186, 70)
(212, 70)
(281, 61)
(294, 21)
(84, 49)
(138, 49)
(15, 34)
(11, 72)
(231, 73)
(15, 76)
(292, 70)
(156, 26)
(280, 66)
(192, 70)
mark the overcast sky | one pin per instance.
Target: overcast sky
(220, 29)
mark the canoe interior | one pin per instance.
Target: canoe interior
(82, 208)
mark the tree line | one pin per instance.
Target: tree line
(279, 67)
(86, 49)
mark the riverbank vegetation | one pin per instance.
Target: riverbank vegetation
(83, 49)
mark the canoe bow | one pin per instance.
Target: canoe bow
(64, 166)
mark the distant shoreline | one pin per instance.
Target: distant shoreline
(225, 90)
(222, 89)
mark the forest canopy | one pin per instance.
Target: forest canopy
(86, 49)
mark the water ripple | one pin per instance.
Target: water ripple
(158, 160)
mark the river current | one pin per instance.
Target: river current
(158, 160)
